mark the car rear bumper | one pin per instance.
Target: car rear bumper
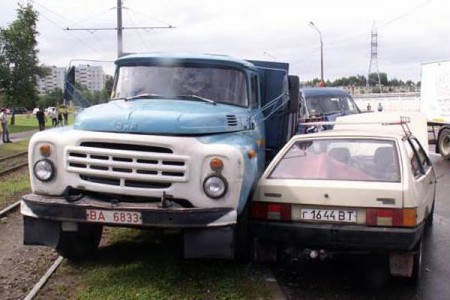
(59, 209)
(337, 237)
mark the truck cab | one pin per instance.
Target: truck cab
(181, 144)
(323, 104)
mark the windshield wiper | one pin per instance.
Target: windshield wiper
(196, 97)
(140, 96)
(330, 113)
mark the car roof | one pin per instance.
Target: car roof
(345, 133)
(380, 125)
(323, 91)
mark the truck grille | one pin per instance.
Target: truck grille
(232, 120)
(126, 165)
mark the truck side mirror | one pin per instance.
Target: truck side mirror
(294, 93)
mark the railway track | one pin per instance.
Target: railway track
(14, 163)
(41, 282)
(17, 164)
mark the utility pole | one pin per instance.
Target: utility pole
(120, 28)
(374, 55)
(321, 50)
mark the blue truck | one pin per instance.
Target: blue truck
(180, 145)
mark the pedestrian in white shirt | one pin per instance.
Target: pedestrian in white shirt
(4, 121)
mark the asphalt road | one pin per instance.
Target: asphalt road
(350, 277)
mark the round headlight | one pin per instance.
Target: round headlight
(44, 170)
(215, 186)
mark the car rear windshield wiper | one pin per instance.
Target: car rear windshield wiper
(140, 96)
(196, 97)
(331, 113)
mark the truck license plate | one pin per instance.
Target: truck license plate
(333, 215)
(115, 216)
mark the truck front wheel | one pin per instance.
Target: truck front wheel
(444, 143)
(77, 245)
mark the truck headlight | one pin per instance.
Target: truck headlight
(215, 186)
(44, 170)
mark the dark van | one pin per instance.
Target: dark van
(323, 104)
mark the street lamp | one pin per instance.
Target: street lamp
(321, 50)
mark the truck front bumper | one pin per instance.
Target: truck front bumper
(59, 209)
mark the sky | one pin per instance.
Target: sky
(410, 32)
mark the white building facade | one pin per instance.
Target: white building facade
(54, 80)
(92, 77)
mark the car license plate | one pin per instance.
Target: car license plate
(333, 215)
(113, 216)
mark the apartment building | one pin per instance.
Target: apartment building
(54, 80)
(92, 77)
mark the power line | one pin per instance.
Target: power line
(120, 28)
(138, 31)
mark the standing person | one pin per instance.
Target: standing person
(4, 121)
(54, 116)
(40, 116)
(380, 107)
(66, 117)
(369, 107)
(60, 118)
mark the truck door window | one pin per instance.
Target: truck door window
(223, 85)
(254, 91)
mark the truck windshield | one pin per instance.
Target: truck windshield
(323, 105)
(187, 83)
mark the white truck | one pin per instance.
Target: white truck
(435, 103)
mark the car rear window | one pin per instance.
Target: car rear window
(340, 159)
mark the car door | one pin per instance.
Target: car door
(424, 179)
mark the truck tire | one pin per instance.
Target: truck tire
(444, 143)
(78, 245)
(242, 240)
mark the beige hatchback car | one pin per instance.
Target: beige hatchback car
(344, 191)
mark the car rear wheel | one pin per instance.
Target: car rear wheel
(430, 217)
(417, 264)
(78, 245)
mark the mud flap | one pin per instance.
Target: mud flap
(40, 232)
(401, 264)
(209, 243)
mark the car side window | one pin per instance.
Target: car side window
(414, 160)
(422, 156)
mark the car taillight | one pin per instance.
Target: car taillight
(393, 217)
(270, 211)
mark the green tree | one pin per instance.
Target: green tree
(109, 82)
(19, 65)
(373, 79)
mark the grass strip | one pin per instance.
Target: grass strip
(147, 265)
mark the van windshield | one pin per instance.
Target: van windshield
(217, 84)
(329, 104)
